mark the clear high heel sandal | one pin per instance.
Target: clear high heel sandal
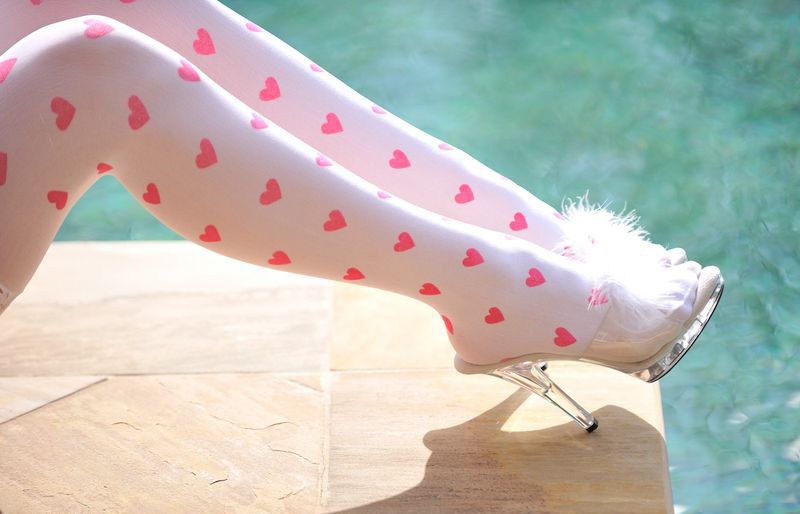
(528, 371)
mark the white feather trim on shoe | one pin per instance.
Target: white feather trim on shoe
(629, 268)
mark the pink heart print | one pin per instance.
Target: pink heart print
(272, 194)
(271, 90)
(353, 274)
(447, 323)
(210, 234)
(535, 278)
(96, 29)
(139, 115)
(151, 194)
(279, 257)
(252, 27)
(383, 195)
(57, 198)
(103, 167)
(332, 125)
(429, 289)
(5, 68)
(399, 160)
(335, 221)
(187, 72)
(323, 161)
(258, 122)
(563, 337)
(203, 45)
(404, 242)
(473, 257)
(519, 222)
(465, 194)
(597, 297)
(207, 155)
(64, 112)
(494, 316)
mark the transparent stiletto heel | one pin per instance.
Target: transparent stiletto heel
(532, 377)
(526, 370)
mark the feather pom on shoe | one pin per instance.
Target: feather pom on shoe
(629, 269)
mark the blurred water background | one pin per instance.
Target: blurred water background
(688, 111)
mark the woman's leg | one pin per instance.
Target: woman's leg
(90, 95)
(277, 81)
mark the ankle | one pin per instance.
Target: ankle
(532, 303)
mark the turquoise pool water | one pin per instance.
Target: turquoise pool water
(687, 111)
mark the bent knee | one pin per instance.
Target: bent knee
(83, 43)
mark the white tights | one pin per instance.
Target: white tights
(239, 143)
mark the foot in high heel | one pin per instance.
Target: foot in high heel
(645, 349)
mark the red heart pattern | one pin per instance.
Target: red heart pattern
(258, 122)
(335, 221)
(139, 115)
(187, 72)
(207, 155)
(210, 234)
(404, 242)
(563, 337)
(279, 258)
(473, 258)
(96, 29)
(5, 68)
(103, 167)
(447, 323)
(399, 160)
(332, 124)
(57, 198)
(203, 45)
(597, 297)
(151, 194)
(519, 222)
(64, 112)
(271, 90)
(429, 289)
(272, 194)
(535, 278)
(495, 316)
(353, 274)
(323, 161)
(464, 194)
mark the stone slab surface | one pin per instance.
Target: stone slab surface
(161, 377)
(121, 308)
